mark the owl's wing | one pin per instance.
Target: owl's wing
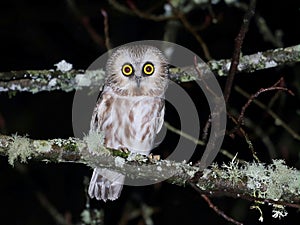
(101, 111)
(159, 121)
(160, 117)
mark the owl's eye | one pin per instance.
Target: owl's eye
(148, 68)
(127, 69)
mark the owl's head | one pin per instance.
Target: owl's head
(137, 70)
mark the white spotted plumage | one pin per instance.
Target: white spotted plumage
(130, 110)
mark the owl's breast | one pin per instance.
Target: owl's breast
(133, 123)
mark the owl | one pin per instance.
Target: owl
(130, 110)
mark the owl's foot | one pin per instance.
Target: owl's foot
(154, 157)
(124, 149)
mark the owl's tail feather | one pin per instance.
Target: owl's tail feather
(106, 184)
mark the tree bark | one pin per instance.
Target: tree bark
(49, 80)
(275, 183)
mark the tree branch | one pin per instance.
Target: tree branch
(274, 183)
(49, 80)
(238, 42)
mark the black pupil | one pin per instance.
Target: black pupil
(127, 69)
(148, 68)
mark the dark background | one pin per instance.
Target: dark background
(38, 34)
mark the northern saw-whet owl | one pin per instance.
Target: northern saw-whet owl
(130, 110)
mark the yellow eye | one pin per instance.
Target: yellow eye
(148, 68)
(127, 69)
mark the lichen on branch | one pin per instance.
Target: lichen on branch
(276, 183)
(34, 81)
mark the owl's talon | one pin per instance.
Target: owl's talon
(154, 157)
(124, 149)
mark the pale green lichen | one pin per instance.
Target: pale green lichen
(265, 181)
(59, 142)
(63, 66)
(191, 173)
(136, 157)
(119, 162)
(90, 78)
(261, 217)
(95, 141)
(232, 171)
(279, 211)
(273, 180)
(42, 146)
(70, 144)
(270, 64)
(20, 148)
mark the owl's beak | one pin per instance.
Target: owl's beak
(138, 80)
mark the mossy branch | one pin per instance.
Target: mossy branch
(275, 183)
(49, 80)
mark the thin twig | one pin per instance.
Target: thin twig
(279, 121)
(106, 29)
(85, 21)
(274, 39)
(239, 120)
(42, 199)
(120, 7)
(183, 134)
(208, 122)
(220, 212)
(206, 129)
(262, 90)
(211, 12)
(244, 134)
(214, 207)
(144, 15)
(237, 48)
(193, 31)
(196, 141)
(262, 26)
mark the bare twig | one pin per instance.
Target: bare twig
(106, 29)
(220, 212)
(193, 31)
(148, 16)
(215, 208)
(279, 121)
(121, 7)
(239, 120)
(262, 90)
(244, 134)
(237, 48)
(206, 128)
(42, 199)
(261, 23)
(183, 134)
(266, 32)
(196, 141)
(85, 21)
